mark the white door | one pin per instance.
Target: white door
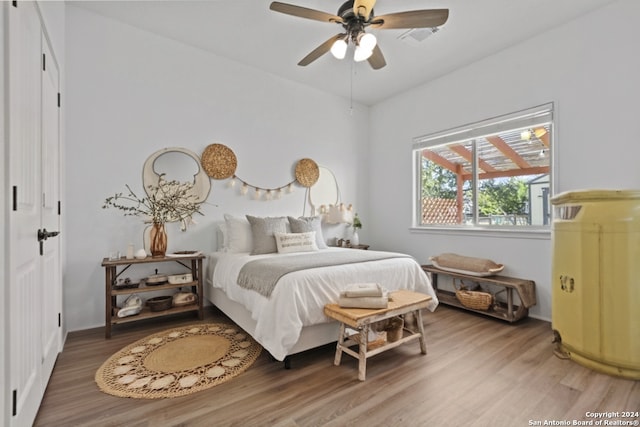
(25, 274)
(50, 215)
(34, 284)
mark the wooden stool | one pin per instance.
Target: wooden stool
(401, 302)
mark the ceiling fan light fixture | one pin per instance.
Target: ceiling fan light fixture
(361, 54)
(367, 41)
(525, 135)
(355, 16)
(339, 49)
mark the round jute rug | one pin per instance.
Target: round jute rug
(178, 361)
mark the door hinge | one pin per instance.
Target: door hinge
(59, 99)
(59, 319)
(15, 197)
(15, 3)
(59, 207)
(14, 410)
(44, 62)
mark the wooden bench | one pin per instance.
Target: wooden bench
(401, 302)
(508, 311)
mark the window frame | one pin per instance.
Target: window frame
(527, 118)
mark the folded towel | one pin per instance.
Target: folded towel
(363, 290)
(363, 302)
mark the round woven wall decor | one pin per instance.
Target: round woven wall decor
(219, 161)
(307, 172)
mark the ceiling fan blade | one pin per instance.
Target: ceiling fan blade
(376, 60)
(412, 19)
(363, 8)
(304, 12)
(320, 50)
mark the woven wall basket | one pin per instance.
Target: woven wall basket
(307, 172)
(219, 161)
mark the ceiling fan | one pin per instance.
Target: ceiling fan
(355, 16)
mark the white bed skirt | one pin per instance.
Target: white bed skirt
(310, 336)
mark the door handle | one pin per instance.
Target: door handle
(44, 234)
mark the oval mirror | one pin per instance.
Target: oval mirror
(177, 164)
(325, 190)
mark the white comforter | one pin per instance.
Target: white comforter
(299, 297)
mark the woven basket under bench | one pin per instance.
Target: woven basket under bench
(476, 300)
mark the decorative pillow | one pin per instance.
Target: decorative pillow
(262, 230)
(466, 265)
(308, 223)
(239, 237)
(223, 238)
(296, 242)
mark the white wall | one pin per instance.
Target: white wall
(131, 93)
(587, 67)
(53, 16)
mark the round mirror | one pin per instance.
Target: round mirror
(325, 190)
(177, 164)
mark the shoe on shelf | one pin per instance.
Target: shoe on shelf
(131, 306)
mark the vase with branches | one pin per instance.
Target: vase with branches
(168, 201)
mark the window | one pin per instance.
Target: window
(496, 173)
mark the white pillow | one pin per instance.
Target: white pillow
(295, 242)
(223, 238)
(239, 238)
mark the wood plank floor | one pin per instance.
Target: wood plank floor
(478, 372)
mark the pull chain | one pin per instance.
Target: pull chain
(351, 88)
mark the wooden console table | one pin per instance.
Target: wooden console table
(506, 311)
(191, 262)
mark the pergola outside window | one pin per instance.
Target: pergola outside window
(493, 173)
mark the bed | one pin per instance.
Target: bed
(288, 318)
